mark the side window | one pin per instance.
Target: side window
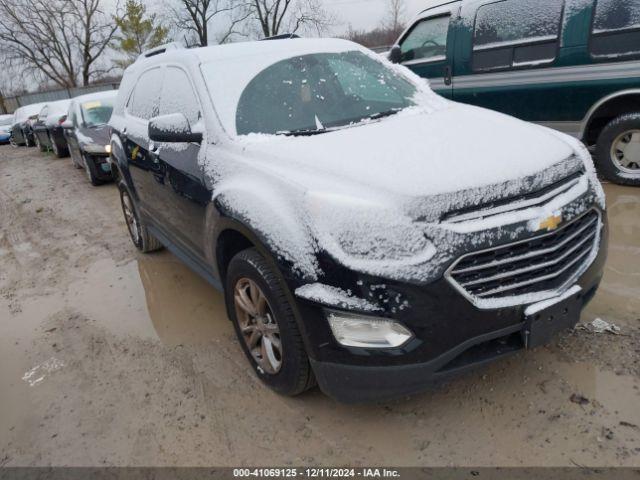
(427, 40)
(516, 33)
(144, 102)
(178, 95)
(616, 28)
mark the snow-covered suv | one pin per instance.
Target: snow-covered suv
(367, 233)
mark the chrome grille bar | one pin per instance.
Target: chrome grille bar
(537, 267)
(533, 280)
(526, 255)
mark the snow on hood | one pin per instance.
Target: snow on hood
(98, 135)
(416, 153)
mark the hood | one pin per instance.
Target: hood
(98, 135)
(416, 153)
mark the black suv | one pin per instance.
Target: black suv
(367, 233)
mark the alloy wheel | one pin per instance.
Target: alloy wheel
(625, 151)
(256, 321)
(130, 218)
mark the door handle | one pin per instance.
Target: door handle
(447, 75)
(154, 153)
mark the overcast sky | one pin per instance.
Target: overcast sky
(364, 14)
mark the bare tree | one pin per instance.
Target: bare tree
(57, 41)
(93, 34)
(290, 16)
(396, 15)
(194, 18)
(38, 36)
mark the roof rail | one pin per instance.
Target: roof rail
(282, 36)
(160, 49)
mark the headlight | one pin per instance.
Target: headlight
(367, 235)
(368, 332)
(107, 148)
(582, 152)
(94, 148)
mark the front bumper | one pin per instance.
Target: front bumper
(451, 336)
(102, 165)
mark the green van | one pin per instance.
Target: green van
(573, 65)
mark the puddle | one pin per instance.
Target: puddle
(156, 296)
(618, 297)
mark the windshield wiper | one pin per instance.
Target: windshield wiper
(303, 132)
(386, 113)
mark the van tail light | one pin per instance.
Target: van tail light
(62, 119)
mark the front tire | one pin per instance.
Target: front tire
(41, 147)
(618, 150)
(28, 141)
(265, 324)
(90, 170)
(140, 236)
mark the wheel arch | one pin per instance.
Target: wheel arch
(606, 109)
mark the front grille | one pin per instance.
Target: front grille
(520, 202)
(539, 264)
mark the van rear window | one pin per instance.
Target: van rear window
(616, 28)
(515, 33)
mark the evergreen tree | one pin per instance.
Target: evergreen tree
(137, 32)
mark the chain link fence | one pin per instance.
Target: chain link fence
(12, 103)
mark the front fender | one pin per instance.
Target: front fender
(274, 216)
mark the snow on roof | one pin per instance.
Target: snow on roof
(27, 111)
(97, 96)
(274, 48)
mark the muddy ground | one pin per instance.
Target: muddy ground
(108, 357)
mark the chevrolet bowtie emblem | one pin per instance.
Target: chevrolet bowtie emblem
(550, 223)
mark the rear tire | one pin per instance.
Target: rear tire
(618, 150)
(278, 356)
(140, 236)
(57, 151)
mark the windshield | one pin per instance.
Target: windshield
(96, 112)
(312, 93)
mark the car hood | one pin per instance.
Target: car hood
(98, 135)
(415, 153)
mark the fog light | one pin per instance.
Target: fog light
(369, 332)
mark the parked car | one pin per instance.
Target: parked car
(6, 121)
(47, 129)
(366, 232)
(23, 120)
(572, 65)
(87, 134)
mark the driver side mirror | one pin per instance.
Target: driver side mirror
(395, 54)
(172, 128)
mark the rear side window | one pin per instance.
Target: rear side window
(616, 28)
(178, 95)
(427, 40)
(144, 102)
(516, 33)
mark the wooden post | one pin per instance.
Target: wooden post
(3, 106)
